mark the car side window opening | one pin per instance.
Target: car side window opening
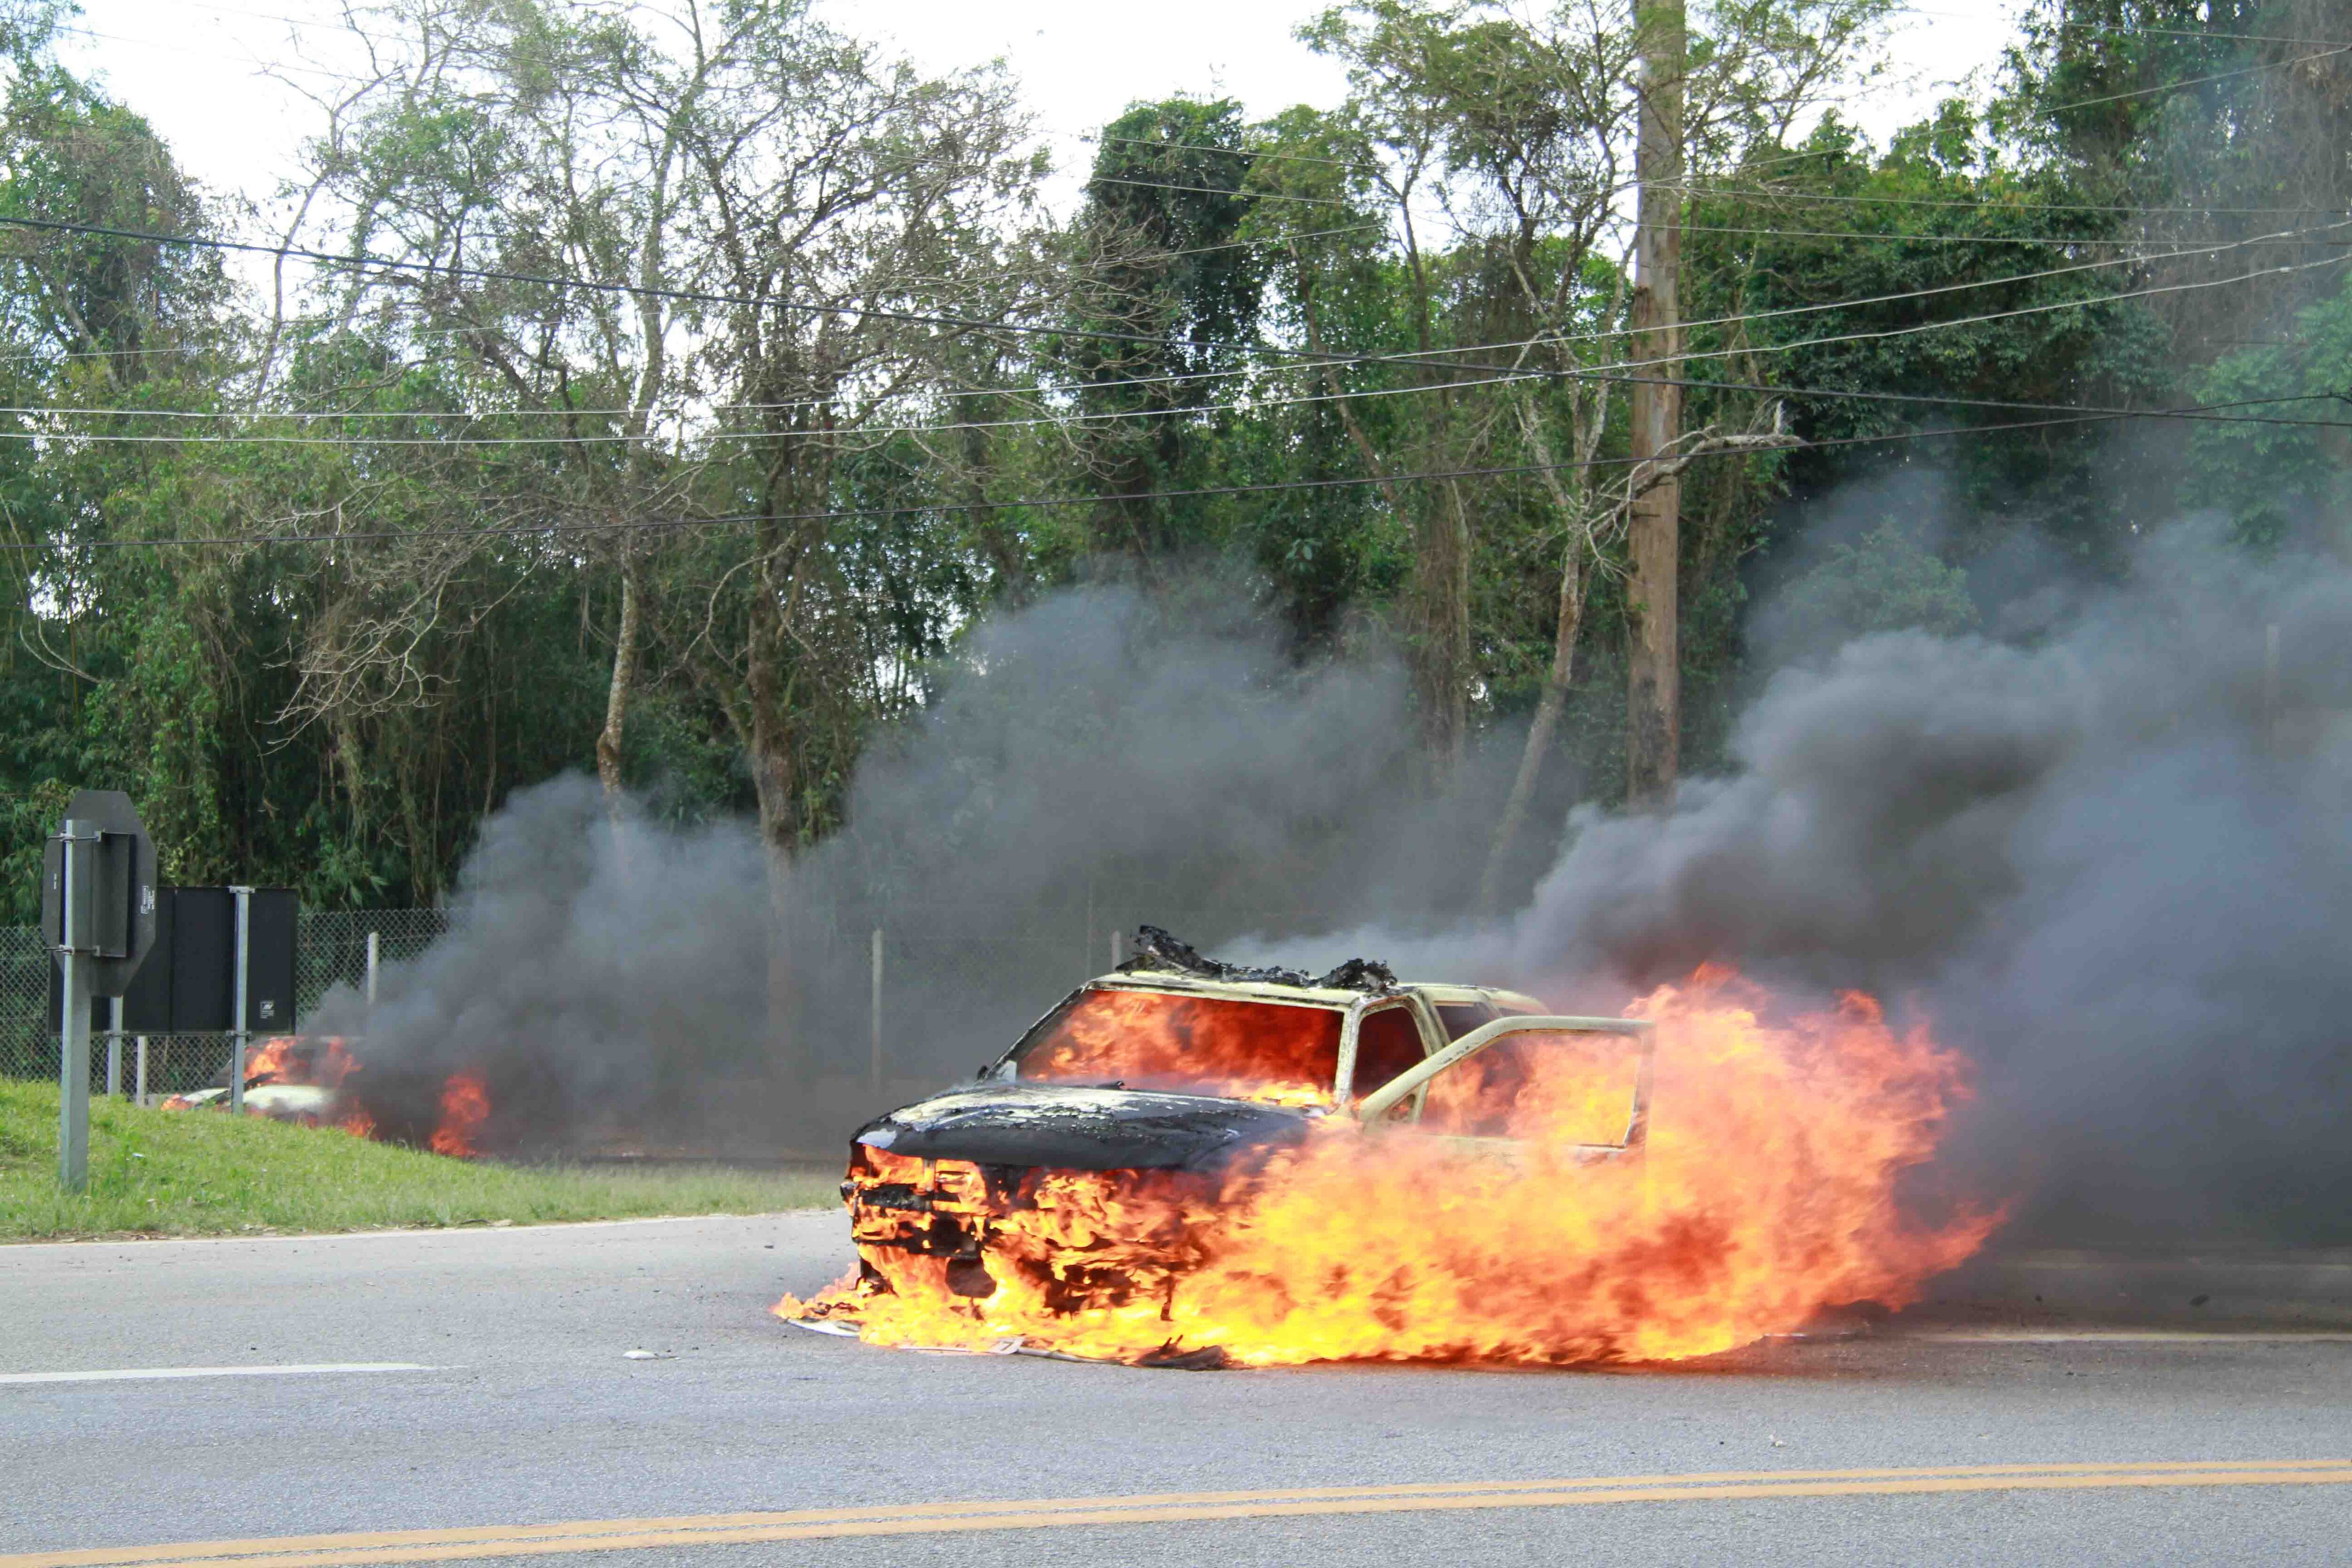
(1563, 1087)
(1388, 1042)
(1460, 1018)
(1192, 1044)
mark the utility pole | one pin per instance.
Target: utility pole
(1653, 668)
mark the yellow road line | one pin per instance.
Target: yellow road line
(938, 1517)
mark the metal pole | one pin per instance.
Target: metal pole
(875, 1012)
(73, 1041)
(114, 1047)
(374, 950)
(138, 1093)
(1117, 948)
(244, 896)
(2271, 688)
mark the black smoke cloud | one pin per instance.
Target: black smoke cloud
(2109, 860)
(1102, 759)
(2114, 867)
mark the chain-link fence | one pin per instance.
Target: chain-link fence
(946, 987)
(331, 949)
(27, 1048)
(150, 1067)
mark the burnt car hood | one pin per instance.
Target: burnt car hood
(1070, 1126)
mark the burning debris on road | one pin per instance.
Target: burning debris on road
(1189, 1164)
(308, 1079)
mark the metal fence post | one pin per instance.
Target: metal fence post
(114, 1047)
(244, 896)
(1117, 948)
(875, 1013)
(2271, 688)
(374, 954)
(139, 1069)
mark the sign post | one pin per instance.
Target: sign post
(241, 1041)
(98, 912)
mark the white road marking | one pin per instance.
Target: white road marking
(138, 1373)
(2125, 1337)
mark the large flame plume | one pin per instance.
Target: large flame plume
(1767, 1191)
(1195, 1045)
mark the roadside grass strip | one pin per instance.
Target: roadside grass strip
(1172, 1508)
(205, 1173)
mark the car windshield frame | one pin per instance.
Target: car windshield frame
(1007, 1066)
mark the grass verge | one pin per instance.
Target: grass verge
(202, 1172)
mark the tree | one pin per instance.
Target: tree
(1168, 277)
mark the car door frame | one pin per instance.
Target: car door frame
(1374, 1106)
(1424, 1018)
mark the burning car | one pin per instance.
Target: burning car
(314, 1081)
(1068, 1174)
(288, 1078)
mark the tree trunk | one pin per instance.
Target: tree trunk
(1654, 678)
(1580, 521)
(1442, 660)
(1548, 709)
(776, 776)
(617, 695)
(776, 788)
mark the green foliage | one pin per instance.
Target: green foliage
(1886, 581)
(1952, 233)
(336, 709)
(2280, 483)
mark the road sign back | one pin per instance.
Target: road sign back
(117, 890)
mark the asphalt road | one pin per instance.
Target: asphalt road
(520, 1409)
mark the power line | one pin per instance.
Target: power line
(2200, 81)
(1220, 191)
(1774, 192)
(1451, 355)
(2205, 413)
(2135, 29)
(848, 513)
(501, 275)
(1504, 372)
(1894, 235)
(1967, 321)
(478, 416)
(847, 434)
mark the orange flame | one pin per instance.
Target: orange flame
(1765, 1193)
(324, 1061)
(464, 1105)
(1198, 1044)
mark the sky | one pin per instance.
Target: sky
(229, 86)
